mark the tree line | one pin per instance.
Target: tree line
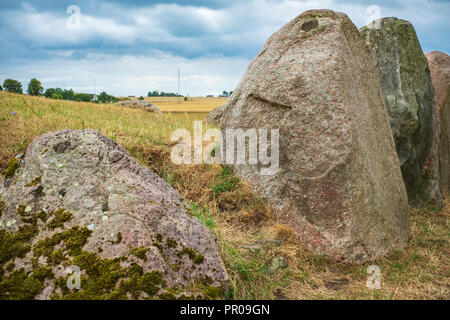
(156, 93)
(35, 88)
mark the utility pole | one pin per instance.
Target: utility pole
(179, 101)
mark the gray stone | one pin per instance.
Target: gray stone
(406, 86)
(123, 206)
(439, 64)
(139, 103)
(339, 185)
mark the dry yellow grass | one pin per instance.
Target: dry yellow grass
(194, 104)
(247, 232)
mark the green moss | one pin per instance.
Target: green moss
(159, 237)
(74, 239)
(214, 292)
(171, 243)
(24, 286)
(42, 215)
(11, 167)
(15, 244)
(119, 238)
(196, 258)
(140, 252)
(2, 207)
(34, 182)
(60, 216)
(100, 278)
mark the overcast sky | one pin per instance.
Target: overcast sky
(132, 47)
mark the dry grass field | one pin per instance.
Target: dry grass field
(248, 234)
(194, 104)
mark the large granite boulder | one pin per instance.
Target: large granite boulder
(147, 106)
(406, 85)
(439, 64)
(78, 199)
(339, 184)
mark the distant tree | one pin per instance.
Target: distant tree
(156, 93)
(231, 92)
(49, 92)
(35, 87)
(141, 98)
(185, 99)
(1, 88)
(103, 97)
(68, 94)
(225, 93)
(13, 86)
(56, 96)
(86, 97)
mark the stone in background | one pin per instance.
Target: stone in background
(405, 80)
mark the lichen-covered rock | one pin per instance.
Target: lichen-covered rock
(339, 185)
(139, 103)
(406, 85)
(439, 64)
(78, 199)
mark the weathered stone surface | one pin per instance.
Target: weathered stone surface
(339, 185)
(139, 103)
(79, 199)
(439, 64)
(215, 116)
(406, 85)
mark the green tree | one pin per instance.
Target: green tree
(56, 96)
(35, 87)
(86, 97)
(68, 95)
(1, 88)
(49, 92)
(141, 98)
(13, 86)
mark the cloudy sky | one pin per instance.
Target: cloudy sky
(131, 47)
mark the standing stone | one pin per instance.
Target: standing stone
(406, 85)
(439, 64)
(339, 185)
(78, 199)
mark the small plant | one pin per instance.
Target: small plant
(228, 181)
(202, 213)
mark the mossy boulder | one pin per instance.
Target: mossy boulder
(85, 203)
(406, 86)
